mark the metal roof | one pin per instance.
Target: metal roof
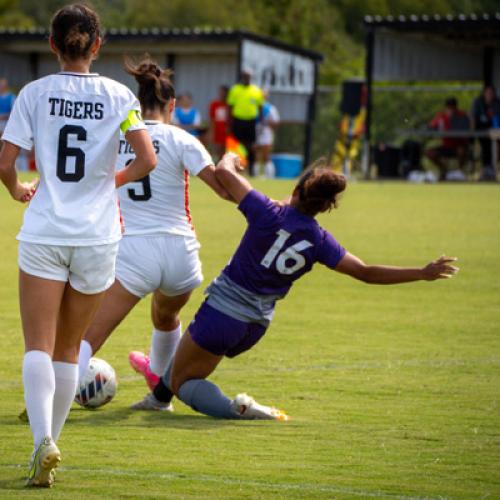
(167, 34)
(481, 26)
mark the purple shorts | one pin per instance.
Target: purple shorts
(220, 334)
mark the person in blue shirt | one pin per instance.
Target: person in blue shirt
(186, 115)
(7, 99)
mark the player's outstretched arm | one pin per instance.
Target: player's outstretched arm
(20, 191)
(144, 161)
(227, 174)
(388, 275)
(207, 175)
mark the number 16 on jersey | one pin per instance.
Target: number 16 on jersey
(289, 256)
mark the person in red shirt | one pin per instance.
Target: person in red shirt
(218, 113)
(451, 118)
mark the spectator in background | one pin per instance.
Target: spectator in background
(485, 115)
(218, 113)
(186, 115)
(265, 136)
(7, 99)
(245, 102)
(451, 118)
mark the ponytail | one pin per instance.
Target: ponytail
(155, 85)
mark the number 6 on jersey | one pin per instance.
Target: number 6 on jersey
(64, 152)
(290, 254)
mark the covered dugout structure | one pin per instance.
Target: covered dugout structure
(430, 48)
(202, 59)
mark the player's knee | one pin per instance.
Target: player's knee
(165, 321)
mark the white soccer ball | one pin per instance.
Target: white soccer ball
(98, 385)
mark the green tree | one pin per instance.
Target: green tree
(12, 16)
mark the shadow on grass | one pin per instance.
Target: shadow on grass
(111, 417)
(14, 483)
(197, 422)
(81, 417)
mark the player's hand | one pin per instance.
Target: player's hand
(231, 160)
(25, 191)
(440, 269)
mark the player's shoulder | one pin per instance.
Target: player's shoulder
(39, 84)
(256, 200)
(31, 92)
(179, 136)
(115, 87)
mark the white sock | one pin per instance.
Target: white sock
(39, 386)
(66, 375)
(270, 170)
(163, 346)
(84, 358)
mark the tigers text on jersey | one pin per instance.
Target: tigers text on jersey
(159, 203)
(74, 121)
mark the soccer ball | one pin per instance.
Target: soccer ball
(98, 386)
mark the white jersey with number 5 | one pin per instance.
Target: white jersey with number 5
(74, 122)
(159, 203)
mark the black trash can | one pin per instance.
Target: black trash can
(387, 158)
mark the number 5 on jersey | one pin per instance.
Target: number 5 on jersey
(292, 254)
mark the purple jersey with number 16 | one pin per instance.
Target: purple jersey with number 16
(279, 246)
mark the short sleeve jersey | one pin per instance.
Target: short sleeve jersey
(279, 246)
(159, 203)
(73, 120)
(245, 101)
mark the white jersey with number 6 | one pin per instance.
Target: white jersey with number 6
(74, 122)
(159, 203)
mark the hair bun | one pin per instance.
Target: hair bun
(155, 86)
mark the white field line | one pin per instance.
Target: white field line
(169, 476)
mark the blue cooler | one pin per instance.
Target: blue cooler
(288, 166)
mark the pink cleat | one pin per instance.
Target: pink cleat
(140, 363)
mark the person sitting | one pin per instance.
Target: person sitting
(451, 118)
(485, 115)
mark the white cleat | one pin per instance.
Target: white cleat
(150, 403)
(43, 462)
(249, 409)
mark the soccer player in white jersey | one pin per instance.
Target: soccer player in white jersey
(69, 238)
(159, 251)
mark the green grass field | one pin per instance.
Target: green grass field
(393, 391)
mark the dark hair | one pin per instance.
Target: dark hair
(155, 85)
(451, 102)
(74, 29)
(318, 189)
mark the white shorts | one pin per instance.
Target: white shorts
(265, 135)
(89, 270)
(168, 263)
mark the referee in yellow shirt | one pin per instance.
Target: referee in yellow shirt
(245, 102)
